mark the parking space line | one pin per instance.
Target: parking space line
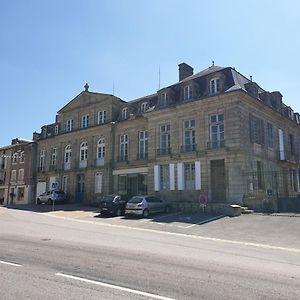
(116, 287)
(166, 216)
(9, 263)
(206, 221)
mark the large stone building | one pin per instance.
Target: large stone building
(17, 172)
(214, 133)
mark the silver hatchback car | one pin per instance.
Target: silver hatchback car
(145, 205)
(52, 196)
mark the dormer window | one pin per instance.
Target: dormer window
(163, 100)
(215, 86)
(144, 106)
(85, 121)
(69, 125)
(187, 93)
(102, 117)
(124, 113)
(56, 130)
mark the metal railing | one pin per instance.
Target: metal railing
(216, 144)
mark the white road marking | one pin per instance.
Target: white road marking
(9, 263)
(206, 221)
(116, 287)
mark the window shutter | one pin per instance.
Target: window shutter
(197, 175)
(180, 176)
(156, 178)
(172, 177)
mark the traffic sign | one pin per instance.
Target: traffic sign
(203, 200)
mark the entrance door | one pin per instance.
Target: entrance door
(132, 184)
(80, 188)
(218, 186)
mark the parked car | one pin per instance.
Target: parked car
(50, 196)
(113, 204)
(145, 205)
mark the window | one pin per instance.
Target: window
(260, 183)
(215, 86)
(256, 130)
(83, 151)
(53, 157)
(281, 144)
(64, 183)
(101, 148)
(124, 147)
(164, 139)
(21, 175)
(293, 180)
(98, 183)
(292, 144)
(56, 130)
(67, 158)
(217, 133)
(42, 160)
(270, 135)
(124, 113)
(143, 145)
(187, 93)
(85, 121)
(69, 125)
(21, 157)
(20, 193)
(189, 142)
(189, 176)
(15, 158)
(101, 117)
(163, 99)
(164, 177)
(144, 107)
(13, 176)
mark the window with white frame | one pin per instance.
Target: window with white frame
(217, 133)
(189, 139)
(56, 130)
(189, 176)
(163, 99)
(144, 106)
(15, 158)
(164, 177)
(20, 193)
(85, 121)
(101, 117)
(68, 154)
(69, 125)
(21, 157)
(98, 183)
(53, 157)
(21, 175)
(13, 176)
(164, 139)
(42, 160)
(214, 86)
(124, 113)
(83, 151)
(124, 147)
(143, 145)
(187, 93)
(101, 148)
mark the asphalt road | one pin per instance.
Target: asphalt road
(42, 257)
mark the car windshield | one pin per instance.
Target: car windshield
(136, 200)
(108, 198)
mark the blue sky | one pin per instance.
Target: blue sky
(50, 49)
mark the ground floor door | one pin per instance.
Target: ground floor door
(79, 188)
(218, 182)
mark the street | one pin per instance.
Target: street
(43, 256)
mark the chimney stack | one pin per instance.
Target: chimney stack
(185, 71)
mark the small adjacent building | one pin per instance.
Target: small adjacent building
(17, 172)
(214, 133)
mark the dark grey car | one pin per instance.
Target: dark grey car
(145, 205)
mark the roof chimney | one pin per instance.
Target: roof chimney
(185, 71)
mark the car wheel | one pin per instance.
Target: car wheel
(146, 213)
(118, 212)
(167, 209)
(38, 201)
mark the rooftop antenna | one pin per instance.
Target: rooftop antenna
(159, 77)
(212, 63)
(250, 77)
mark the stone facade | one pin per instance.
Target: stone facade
(214, 133)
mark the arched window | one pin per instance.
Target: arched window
(68, 154)
(101, 148)
(83, 151)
